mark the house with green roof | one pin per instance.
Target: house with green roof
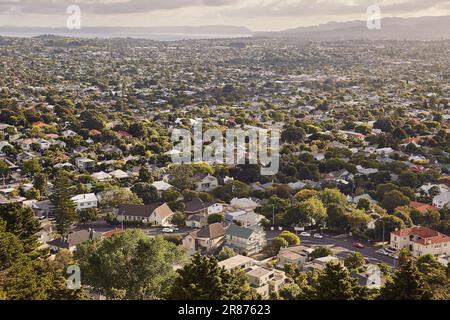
(245, 240)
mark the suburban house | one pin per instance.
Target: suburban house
(245, 218)
(161, 186)
(42, 208)
(422, 207)
(245, 240)
(198, 206)
(84, 163)
(420, 241)
(73, 239)
(207, 240)
(85, 201)
(197, 220)
(101, 176)
(156, 213)
(442, 200)
(243, 204)
(262, 279)
(205, 182)
(297, 256)
(320, 263)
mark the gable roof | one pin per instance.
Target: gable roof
(196, 205)
(241, 232)
(426, 236)
(163, 211)
(137, 210)
(212, 231)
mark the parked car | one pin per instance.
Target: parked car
(305, 234)
(167, 230)
(318, 235)
(358, 245)
(383, 252)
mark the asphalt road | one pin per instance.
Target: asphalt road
(346, 244)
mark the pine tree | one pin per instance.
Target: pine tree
(407, 284)
(204, 279)
(335, 283)
(64, 208)
(22, 223)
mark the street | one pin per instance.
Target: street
(343, 247)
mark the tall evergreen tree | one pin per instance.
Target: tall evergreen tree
(335, 283)
(204, 279)
(22, 223)
(65, 210)
(407, 284)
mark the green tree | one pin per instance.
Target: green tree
(22, 223)
(320, 252)
(278, 243)
(40, 182)
(335, 283)
(179, 219)
(406, 284)
(291, 238)
(394, 199)
(332, 196)
(146, 192)
(4, 169)
(385, 225)
(87, 215)
(215, 217)
(31, 167)
(204, 279)
(129, 265)
(225, 253)
(354, 261)
(117, 196)
(336, 217)
(64, 208)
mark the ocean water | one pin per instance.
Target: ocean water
(149, 36)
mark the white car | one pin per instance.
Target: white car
(167, 230)
(318, 235)
(305, 234)
(383, 252)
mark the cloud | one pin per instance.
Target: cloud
(105, 7)
(307, 8)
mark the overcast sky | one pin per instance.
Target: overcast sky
(257, 15)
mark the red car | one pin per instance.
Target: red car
(358, 245)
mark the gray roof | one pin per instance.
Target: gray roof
(137, 210)
(196, 205)
(241, 232)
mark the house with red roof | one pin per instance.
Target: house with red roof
(422, 207)
(420, 241)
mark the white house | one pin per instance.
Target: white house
(85, 201)
(156, 213)
(206, 183)
(84, 163)
(119, 174)
(441, 200)
(101, 176)
(420, 241)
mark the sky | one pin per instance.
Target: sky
(257, 15)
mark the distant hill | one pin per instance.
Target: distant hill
(422, 28)
(179, 32)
